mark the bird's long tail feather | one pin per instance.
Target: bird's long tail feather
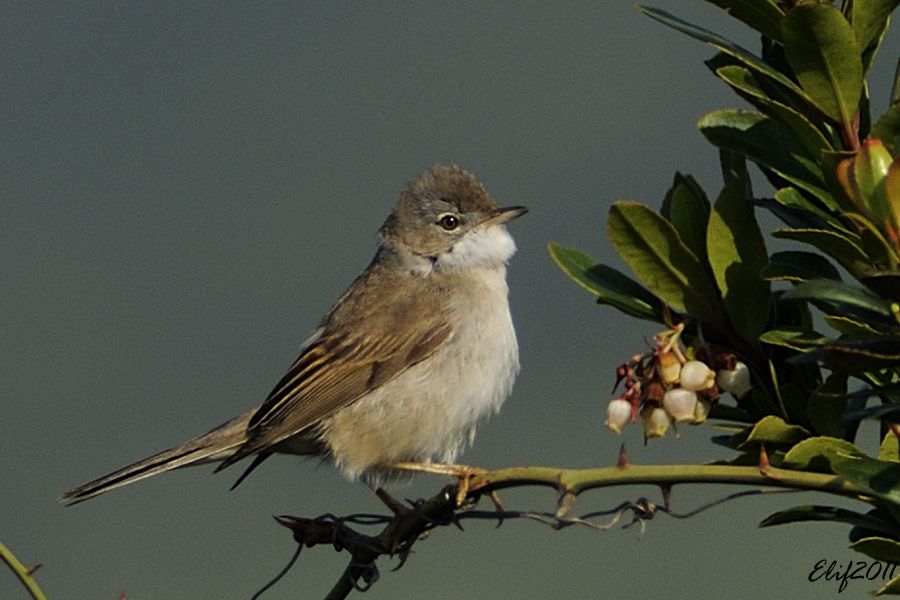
(212, 446)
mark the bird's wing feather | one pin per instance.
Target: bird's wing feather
(346, 362)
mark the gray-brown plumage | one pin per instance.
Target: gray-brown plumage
(419, 347)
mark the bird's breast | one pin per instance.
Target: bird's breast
(428, 413)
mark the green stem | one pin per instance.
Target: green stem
(22, 572)
(575, 481)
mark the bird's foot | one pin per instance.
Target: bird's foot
(463, 473)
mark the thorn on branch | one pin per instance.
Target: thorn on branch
(765, 467)
(622, 460)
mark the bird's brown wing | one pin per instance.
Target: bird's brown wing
(345, 362)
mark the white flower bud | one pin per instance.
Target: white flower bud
(655, 421)
(696, 376)
(618, 414)
(701, 411)
(680, 404)
(669, 367)
(736, 380)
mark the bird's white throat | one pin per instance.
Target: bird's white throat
(479, 248)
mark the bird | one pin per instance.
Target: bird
(396, 377)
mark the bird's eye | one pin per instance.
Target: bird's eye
(448, 221)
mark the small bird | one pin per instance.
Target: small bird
(415, 352)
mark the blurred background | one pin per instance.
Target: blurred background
(186, 188)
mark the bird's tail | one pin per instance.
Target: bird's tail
(213, 446)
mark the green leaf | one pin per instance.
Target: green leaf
(737, 254)
(652, 249)
(795, 339)
(889, 449)
(870, 169)
(687, 207)
(860, 353)
(880, 477)
(762, 15)
(767, 143)
(821, 47)
(795, 265)
(826, 405)
(726, 46)
(872, 241)
(887, 129)
(792, 198)
(892, 587)
(816, 454)
(770, 430)
(892, 192)
(879, 548)
(842, 247)
(742, 80)
(884, 283)
(840, 298)
(869, 19)
(609, 285)
(845, 324)
(811, 512)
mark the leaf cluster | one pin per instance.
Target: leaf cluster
(834, 172)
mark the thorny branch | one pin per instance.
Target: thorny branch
(456, 503)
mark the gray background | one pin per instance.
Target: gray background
(185, 190)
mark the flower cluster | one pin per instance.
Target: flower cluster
(664, 386)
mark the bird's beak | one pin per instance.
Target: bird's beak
(502, 215)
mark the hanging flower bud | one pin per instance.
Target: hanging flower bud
(655, 421)
(669, 367)
(618, 414)
(696, 376)
(736, 380)
(680, 404)
(701, 411)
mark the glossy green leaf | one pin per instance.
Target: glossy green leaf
(842, 247)
(762, 15)
(841, 296)
(795, 339)
(816, 454)
(770, 430)
(827, 404)
(726, 46)
(737, 254)
(889, 449)
(791, 197)
(687, 208)
(609, 285)
(821, 46)
(879, 548)
(880, 477)
(861, 353)
(869, 19)
(872, 241)
(870, 169)
(811, 512)
(767, 143)
(887, 129)
(849, 325)
(892, 192)
(742, 80)
(654, 252)
(794, 265)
